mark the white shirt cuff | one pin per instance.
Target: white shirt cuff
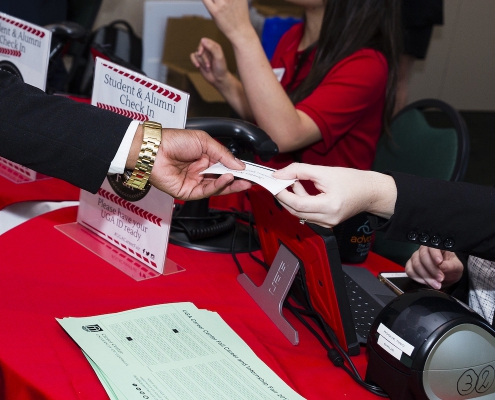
(117, 165)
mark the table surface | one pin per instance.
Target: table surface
(50, 189)
(46, 275)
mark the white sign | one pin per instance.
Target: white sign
(128, 93)
(25, 49)
(137, 226)
(137, 222)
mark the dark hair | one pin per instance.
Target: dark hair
(348, 26)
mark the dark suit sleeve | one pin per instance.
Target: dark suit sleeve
(454, 216)
(57, 136)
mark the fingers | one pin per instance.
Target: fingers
(237, 185)
(436, 255)
(316, 218)
(423, 266)
(194, 57)
(224, 184)
(210, 45)
(293, 201)
(219, 153)
(298, 189)
(298, 171)
(306, 207)
(201, 59)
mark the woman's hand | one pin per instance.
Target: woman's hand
(436, 268)
(231, 17)
(210, 60)
(344, 192)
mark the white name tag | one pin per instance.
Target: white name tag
(279, 73)
(393, 343)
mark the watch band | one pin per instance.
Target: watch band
(152, 136)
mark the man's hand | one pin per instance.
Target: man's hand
(437, 268)
(182, 155)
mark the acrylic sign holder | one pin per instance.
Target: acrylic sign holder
(18, 174)
(113, 255)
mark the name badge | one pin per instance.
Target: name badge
(279, 73)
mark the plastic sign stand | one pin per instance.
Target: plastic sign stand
(271, 295)
(17, 173)
(135, 222)
(113, 255)
(24, 52)
(131, 236)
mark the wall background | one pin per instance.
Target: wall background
(460, 64)
(459, 67)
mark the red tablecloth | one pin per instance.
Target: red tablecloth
(45, 274)
(42, 190)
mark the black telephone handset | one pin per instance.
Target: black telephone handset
(240, 136)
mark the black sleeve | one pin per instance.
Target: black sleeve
(454, 216)
(57, 136)
(422, 13)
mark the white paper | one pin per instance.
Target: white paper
(173, 351)
(395, 340)
(255, 173)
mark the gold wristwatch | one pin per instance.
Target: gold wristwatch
(152, 136)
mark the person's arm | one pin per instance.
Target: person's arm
(181, 157)
(453, 216)
(57, 136)
(77, 142)
(447, 215)
(344, 192)
(210, 60)
(271, 107)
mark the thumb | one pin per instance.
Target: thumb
(209, 44)
(436, 255)
(297, 171)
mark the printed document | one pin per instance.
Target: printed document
(255, 173)
(173, 351)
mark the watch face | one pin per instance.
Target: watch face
(127, 193)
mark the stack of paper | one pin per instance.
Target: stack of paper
(173, 351)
